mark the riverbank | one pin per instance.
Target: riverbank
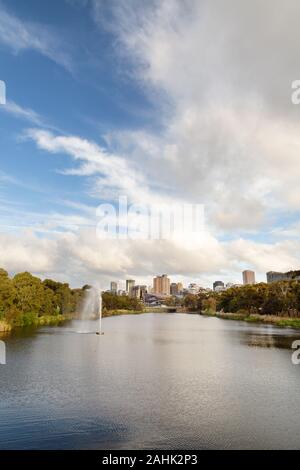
(45, 320)
(266, 319)
(112, 313)
(48, 320)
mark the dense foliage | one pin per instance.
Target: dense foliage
(279, 298)
(25, 298)
(112, 301)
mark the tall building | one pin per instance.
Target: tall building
(113, 287)
(180, 287)
(138, 292)
(129, 285)
(273, 276)
(161, 285)
(217, 285)
(174, 288)
(248, 277)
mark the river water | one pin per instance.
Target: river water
(152, 381)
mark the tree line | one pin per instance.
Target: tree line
(113, 301)
(24, 298)
(280, 298)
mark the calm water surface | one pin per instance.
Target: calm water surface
(152, 381)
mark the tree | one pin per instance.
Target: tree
(7, 294)
(192, 302)
(30, 293)
(112, 301)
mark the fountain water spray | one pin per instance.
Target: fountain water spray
(91, 310)
(100, 315)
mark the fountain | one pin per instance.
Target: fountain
(100, 315)
(91, 310)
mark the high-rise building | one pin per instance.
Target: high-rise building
(248, 277)
(174, 288)
(180, 287)
(129, 285)
(217, 285)
(135, 292)
(161, 285)
(113, 287)
(138, 292)
(273, 276)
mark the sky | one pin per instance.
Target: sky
(175, 101)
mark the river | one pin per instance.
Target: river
(152, 381)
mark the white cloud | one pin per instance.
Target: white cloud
(280, 256)
(20, 112)
(115, 174)
(21, 35)
(229, 138)
(80, 257)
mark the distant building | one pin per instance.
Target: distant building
(193, 288)
(152, 300)
(248, 277)
(274, 276)
(229, 285)
(129, 285)
(161, 285)
(220, 288)
(113, 287)
(138, 292)
(217, 285)
(176, 288)
(122, 292)
(180, 288)
(204, 290)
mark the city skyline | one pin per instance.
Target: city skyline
(163, 284)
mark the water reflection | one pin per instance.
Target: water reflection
(263, 340)
(152, 381)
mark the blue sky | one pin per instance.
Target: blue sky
(88, 98)
(157, 101)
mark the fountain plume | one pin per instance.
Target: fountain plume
(91, 310)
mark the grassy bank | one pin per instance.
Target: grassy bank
(48, 320)
(32, 320)
(112, 313)
(266, 319)
(159, 309)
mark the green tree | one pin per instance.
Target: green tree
(7, 294)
